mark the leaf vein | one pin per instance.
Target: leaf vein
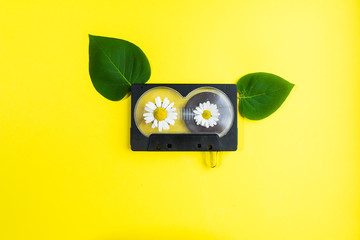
(261, 94)
(118, 70)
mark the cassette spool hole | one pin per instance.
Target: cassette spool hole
(169, 145)
(158, 147)
(199, 145)
(209, 147)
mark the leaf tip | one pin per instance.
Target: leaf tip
(292, 85)
(92, 36)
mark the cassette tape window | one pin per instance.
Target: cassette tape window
(164, 110)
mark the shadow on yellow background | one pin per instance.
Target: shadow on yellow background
(67, 171)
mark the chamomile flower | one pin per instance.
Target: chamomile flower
(160, 114)
(206, 114)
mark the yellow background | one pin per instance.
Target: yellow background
(67, 171)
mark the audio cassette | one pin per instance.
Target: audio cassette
(184, 117)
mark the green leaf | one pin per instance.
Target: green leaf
(114, 65)
(261, 94)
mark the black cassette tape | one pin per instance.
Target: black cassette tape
(184, 117)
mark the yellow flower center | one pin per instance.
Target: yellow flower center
(206, 114)
(160, 114)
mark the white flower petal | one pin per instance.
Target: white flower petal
(165, 125)
(214, 109)
(172, 116)
(155, 124)
(207, 124)
(199, 110)
(149, 119)
(196, 112)
(211, 108)
(170, 106)
(165, 103)
(149, 109)
(151, 105)
(198, 117)
(148, 114)
(170, 121)
(160, 126)
(211, 122)
(158, 101)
